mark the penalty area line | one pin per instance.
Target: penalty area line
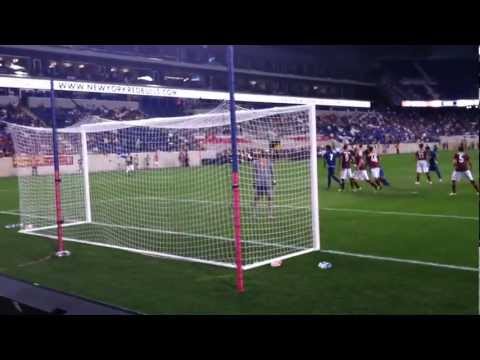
(402, 213)
(405, 261)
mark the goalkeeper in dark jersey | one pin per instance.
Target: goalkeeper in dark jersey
(263, 180)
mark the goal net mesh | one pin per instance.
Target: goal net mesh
(162, 186)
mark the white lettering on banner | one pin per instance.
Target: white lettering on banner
(151, 90)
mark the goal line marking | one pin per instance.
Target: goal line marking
(379, 212)
(406, 261)
(373, 212)
(161, 231)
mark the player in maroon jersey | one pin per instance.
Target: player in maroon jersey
(361, 167)
(346, 160)
(422, 164)
(462, 166)
(373, 161)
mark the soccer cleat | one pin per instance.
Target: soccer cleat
(340, 190)
(452, 194)
(440, 180)
(417, 182)
(430, 182)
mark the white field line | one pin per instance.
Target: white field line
(405, 261)
(209, 202)
(51, 218)
(373, 257)
(403, 213)
(127, 227)
(376, 212)
(10, 212)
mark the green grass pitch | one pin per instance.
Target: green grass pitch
(383, 224)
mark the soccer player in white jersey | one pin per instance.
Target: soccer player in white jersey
(147, 161)
(129, 162)
(373, 162)
(422, 164)
(347, 158)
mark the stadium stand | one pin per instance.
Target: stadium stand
(387, 126)
(22, 298)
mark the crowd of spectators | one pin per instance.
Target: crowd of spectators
(18, 115)
(69, 117)
(392, 126)
(388, 126)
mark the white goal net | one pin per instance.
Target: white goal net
(162, 186)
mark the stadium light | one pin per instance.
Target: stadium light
(15, 60)
(16, 67)
(145, 78)
(172, 78)
(81, 66)
(67, 64)
(21, 73)
(52, 64)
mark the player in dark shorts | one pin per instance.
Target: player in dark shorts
(462, 166)
(383, 179)
(330, 161)
(433, 161)
(34, 166)
(183, 157)
(264, 181)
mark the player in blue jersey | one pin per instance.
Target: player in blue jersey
(383, 179)
(433, 161)
(329, 161)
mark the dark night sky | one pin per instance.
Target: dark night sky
(379, 51)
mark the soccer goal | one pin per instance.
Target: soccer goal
(162, 186)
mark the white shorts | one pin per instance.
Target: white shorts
(361, 175)
(422, 166)
(457, 175)
(346, 174)
(375, 172)
(130, 168)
